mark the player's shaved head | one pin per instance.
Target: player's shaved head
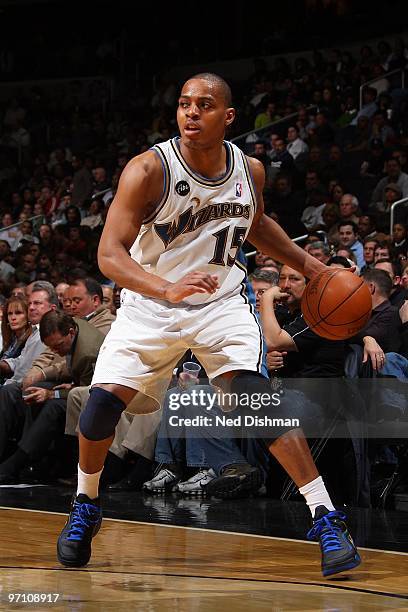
(216, 81)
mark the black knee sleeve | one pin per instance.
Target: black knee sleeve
(101, 415)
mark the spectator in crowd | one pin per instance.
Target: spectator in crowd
(19, 290)
(382, 251)
(360, 136)
(15, 327)
(385, 323)
(394, 176)
(404, 275)
(399, 239)
(76, 246)
(369, 107)
(79, 343)
(331, 217)
(347, 253)
(282, 161)
(6, 270)
(339, 262)
(312, 217)
(12, 235)
(320, 250)
(87, 303)
(60, 290)
(295, 145)
(398, 294)
(267, 116)
(27, 271)
(42, 299)
(46, 237)
(348, 237)
(324, 132)
(349, 208)
(259, 152)
(392, 193)
(261, 281)
(381, 129)
(373, 164)
(366, 227)
(94, 217)
(294, 347)
(72, 217)
(108, 302)
(369, 247)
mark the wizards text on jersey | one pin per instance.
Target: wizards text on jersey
(188, 222)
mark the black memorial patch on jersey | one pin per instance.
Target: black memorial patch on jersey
(188, 222)
(182, 188)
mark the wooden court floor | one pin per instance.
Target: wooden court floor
(147, 567)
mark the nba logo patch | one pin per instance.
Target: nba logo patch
(238, 190)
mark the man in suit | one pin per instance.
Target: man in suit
(86, 297)
(79, 343)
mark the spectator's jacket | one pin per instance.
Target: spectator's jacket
(102, 319)
(84, 355)
(384, 326)
(21, 365)
(52, 366)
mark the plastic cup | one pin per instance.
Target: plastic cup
(192, 369)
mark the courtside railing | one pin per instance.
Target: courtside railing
(3, 229)
(401, 71)
(263, 132)
(402, 202)
(321, 233)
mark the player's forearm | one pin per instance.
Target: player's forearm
(127, 273)
(270, 238)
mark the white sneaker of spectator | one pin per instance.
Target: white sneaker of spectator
(165, 481)
(196, 484)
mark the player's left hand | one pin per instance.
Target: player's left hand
(193, 282)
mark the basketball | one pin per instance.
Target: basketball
(336, 304)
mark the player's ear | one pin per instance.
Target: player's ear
(229, 116)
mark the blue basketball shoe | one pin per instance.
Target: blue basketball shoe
(338, 549)
(84, 522)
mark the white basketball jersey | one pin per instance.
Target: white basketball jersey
(200, 223)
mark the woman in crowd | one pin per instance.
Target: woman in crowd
(15, 327)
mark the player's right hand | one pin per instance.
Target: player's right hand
(193, 282)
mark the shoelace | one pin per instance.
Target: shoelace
(327, 531)
(84, 516)
(167, 473)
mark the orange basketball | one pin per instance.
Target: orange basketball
(336, 304)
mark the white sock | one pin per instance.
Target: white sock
(315, 494)
(88, 483)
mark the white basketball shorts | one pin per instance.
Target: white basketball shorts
(149, 337)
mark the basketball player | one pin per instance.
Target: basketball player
(183, 209)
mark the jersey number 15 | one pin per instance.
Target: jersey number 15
(221, 238)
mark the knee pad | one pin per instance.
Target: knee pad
(101, 415)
